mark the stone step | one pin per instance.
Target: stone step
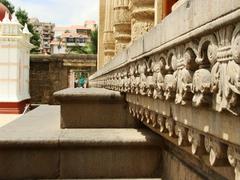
(94, 108)
(35, 146)
(114, 179)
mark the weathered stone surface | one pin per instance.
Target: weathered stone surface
(182, 79)
(77, 105)
(36, 147)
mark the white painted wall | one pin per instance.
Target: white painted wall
(14, 61)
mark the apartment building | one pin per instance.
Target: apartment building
(46, 32)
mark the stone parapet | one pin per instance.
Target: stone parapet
(182, 78)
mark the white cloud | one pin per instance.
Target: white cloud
(61, 12)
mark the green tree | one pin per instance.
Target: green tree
(89, 48)
(8, 5)
(93, 45)
(22, 17)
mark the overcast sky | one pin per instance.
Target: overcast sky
(60, 12)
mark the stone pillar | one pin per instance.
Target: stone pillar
(109, 41)
(142, 17)
(71, 79)
(100, 58)
(158, 11)
(122, 24)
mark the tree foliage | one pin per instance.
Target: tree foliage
(90, 47)
(22, 17)
(93, 45)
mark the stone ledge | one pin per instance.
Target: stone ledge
(77, 109)
(32, 130)
(89, 94)
(74, 153)
(108, 137)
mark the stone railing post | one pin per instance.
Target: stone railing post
(122, 24)
(109, 44)
(142, 17)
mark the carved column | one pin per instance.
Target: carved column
(122, 24)
(142, 17)
(109, 42)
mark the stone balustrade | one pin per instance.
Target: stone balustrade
(183, 79)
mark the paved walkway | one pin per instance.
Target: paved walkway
(7, 118)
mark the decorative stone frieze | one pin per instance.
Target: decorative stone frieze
(197, 142)
(184, 83)
(233, 154)
(216, 150)
(204, 71)
(122, 24)
(142, 17)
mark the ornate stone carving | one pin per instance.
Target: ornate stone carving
(181, 132)
(141, 81)
(147, 116)
(184, 76)
(157, 65)
(233, 154)
(122, 24)
(153, 118)
(142, 14)
(201, 87)
(170, 83)
(197, 142)
(217, 150)
(170, 126)
(161, 121)
(225, 72)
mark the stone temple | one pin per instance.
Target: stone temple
(163, 104)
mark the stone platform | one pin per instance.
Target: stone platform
(34, 146)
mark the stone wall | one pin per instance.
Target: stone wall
(49, 74)
(181, 79)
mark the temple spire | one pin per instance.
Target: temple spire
(6, 18)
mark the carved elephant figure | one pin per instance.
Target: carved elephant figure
(170, 85)
(201, 86)
(184, 83)
(158, 79)
(142, 77)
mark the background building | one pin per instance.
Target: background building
(68, 37)
(46, 33)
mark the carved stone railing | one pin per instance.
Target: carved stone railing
(183, 79)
